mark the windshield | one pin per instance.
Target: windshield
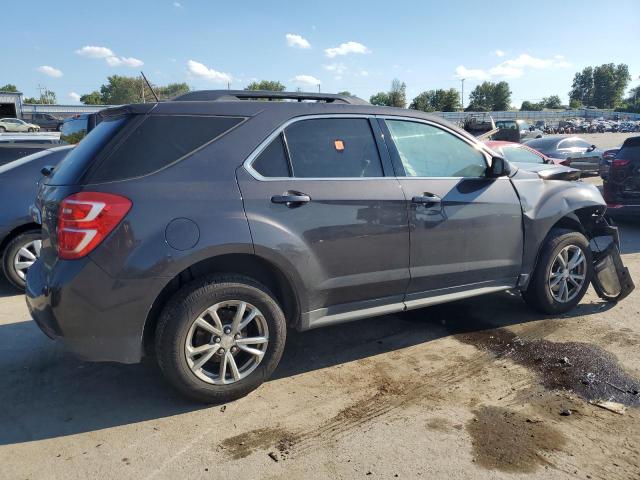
(520, 155)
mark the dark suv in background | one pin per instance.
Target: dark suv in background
(202, 228)
(622, 186)
(45, 121)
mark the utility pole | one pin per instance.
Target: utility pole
(318, 88)
(462, 96)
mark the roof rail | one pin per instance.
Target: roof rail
(232, 95)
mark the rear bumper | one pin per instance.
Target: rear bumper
(93, 315)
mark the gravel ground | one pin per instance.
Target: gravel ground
(482, 388)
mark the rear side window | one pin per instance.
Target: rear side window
(333, 148)
(73, 131)
(69, 171)
(272, 162)
(159, 141)
(630, 152)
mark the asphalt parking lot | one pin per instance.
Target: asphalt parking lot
(482, 388)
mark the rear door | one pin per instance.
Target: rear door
(465, 228)
(323, 202)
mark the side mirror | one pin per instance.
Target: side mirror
(591, 148)
(499, 168)
(47, 170)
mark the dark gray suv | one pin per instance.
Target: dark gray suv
(203, 228)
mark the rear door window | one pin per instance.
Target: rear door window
(273, 162)
(158, 141)
(333, 148)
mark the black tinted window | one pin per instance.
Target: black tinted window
(272, 162)
(68, 172)
(333, 147)
(157, 142)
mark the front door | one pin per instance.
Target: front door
(320, 198)
(465, 228)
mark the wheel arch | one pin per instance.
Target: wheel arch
(250, 265)
(15, 232)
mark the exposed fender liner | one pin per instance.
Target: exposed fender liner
(611, 279)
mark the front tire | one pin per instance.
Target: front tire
(562, 274)
(20, 254)
(220, 337)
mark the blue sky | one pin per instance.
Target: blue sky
(72, 46)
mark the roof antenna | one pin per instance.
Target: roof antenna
(150, 87)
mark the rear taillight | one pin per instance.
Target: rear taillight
(85, 219)
(619, 163)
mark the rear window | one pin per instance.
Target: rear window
(69, 171)
(156, 142)
(630, 151)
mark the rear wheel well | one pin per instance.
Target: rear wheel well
(15, 232)
(248, 265)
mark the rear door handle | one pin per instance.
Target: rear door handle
(291, 199)
(426, 199)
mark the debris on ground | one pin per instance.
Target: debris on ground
(566, 412)
(273, 456)
(614, 407)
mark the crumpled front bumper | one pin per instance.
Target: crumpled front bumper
(611, 279)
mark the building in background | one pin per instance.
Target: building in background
(12, 105)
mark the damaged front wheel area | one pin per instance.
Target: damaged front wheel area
(562, 274)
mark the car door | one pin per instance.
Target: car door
(465, 228)
(324, 203)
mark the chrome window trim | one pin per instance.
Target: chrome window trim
(248, 163)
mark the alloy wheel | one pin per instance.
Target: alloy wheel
(568, 274)
(25, 257)
(226, 342)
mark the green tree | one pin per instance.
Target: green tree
(437, 101)
(574, 104)
(9, 87)
(602, 86)
(381, 99)
(395, 97)
(171, 90)
(552, 102)
(269, 85)
(47, 97)
(489, 96)
(93, 98)
(632, 102)
(582, 87)
(346, 93)
(530, 106)
(609, 83)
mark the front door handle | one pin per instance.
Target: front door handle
(426, 199)
(291, 199)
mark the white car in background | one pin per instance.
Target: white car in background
(17, 125)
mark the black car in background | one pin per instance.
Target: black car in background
(19, 234)
(583, 155)
(622, 187)
(46, 121)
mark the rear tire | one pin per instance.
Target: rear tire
(545, 292)
(181, 336)
(14, 258)
(30, 130)
(2, 129)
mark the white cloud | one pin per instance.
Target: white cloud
(51, 71)
(297, 41)
(306, 80)
(124, 62)
(74, 96)
(337, 68)
(177, 4)
(346, 48)
(364, 73)
(92, 51)
(499, 53)
(513, 68)
(471, 73)
(200, 70)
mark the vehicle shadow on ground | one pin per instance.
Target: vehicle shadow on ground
(47, 393)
